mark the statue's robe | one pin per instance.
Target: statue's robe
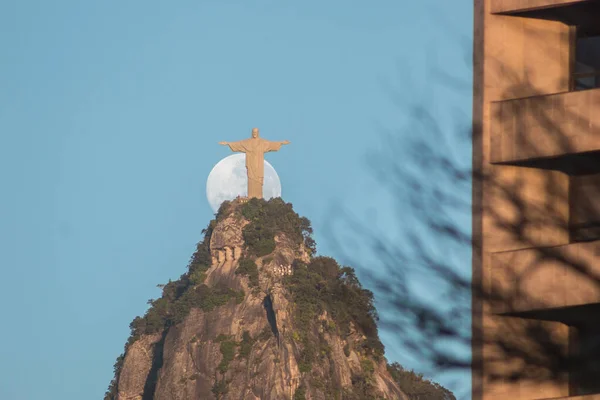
(255, 148)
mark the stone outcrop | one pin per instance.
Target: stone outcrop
(136, 367)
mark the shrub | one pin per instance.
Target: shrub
(247, 267)
(259, 239)
(269, 217)
(197, 277)
(111, 393)
(246, 344)
(221, 337)
(367, 366)
(323, 286)
(347, 350)
(228, 351)
(362, 388)
(300, 393)
(416, 386)
(220, 388)
(239, 297)
(304, 366)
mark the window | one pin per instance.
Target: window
(584, 205)
(586, 69)
(586, 365)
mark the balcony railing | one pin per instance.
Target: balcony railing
(581, 13)
(583, 397)
(546, 278)
(514, 6)
(548, 130)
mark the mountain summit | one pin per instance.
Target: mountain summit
(259, 316)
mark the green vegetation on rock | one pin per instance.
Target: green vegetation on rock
(416, 386)
(111, 392)
(367, 366)
(270, 217)
(228, 348)
(220, 388)
(347, 350)
(167, 311)
(247, 267)
(322, 286)
(246, 344)
(300, 393)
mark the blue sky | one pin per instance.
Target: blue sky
(110, 114)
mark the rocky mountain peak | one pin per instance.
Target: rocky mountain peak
(257, 316)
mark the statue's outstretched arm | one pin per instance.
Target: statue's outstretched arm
(275, 146)
(235, 146)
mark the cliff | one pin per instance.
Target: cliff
(256, 316)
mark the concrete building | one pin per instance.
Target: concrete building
(536, 199)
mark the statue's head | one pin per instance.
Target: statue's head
(254, 133)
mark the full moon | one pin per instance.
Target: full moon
(228, 180)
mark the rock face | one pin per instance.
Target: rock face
(136, 367)
(246, 349)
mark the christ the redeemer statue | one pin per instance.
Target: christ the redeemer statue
(255, 148)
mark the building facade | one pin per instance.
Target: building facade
(536, 200)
